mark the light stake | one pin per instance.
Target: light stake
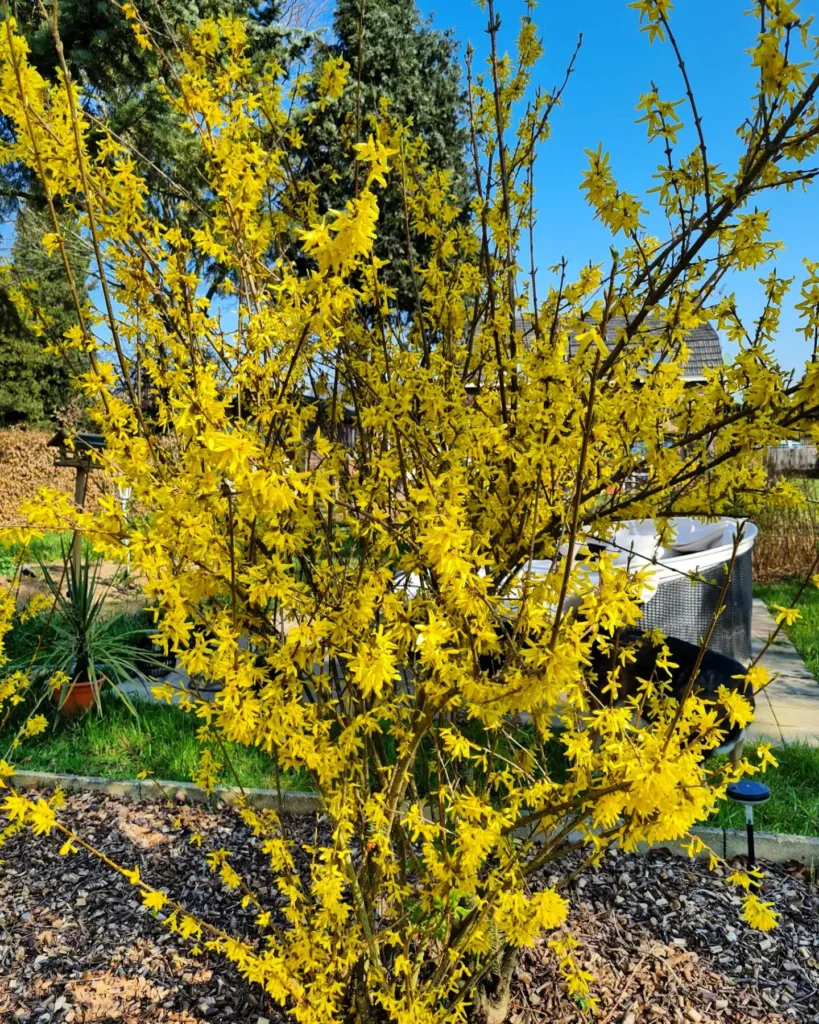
(749, 794)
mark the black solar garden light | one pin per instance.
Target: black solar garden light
(749, 794)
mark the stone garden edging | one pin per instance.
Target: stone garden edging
(770, 846)
(291, 802)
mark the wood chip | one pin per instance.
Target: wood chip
(78, 946)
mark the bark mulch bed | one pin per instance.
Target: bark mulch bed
(662, 936)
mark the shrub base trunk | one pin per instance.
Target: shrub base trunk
(494, 996)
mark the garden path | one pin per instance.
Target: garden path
(788, 708)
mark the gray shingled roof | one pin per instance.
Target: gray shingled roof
(703, 343)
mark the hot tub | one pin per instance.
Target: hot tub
(685, 579)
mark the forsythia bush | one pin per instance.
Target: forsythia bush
(363, 525)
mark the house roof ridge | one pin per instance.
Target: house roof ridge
(702, 342)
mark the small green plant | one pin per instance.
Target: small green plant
(457, 906)
(76, 640)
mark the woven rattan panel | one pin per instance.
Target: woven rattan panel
(684, 609)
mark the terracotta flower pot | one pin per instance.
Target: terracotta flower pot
(78, 698)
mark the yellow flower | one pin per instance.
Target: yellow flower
(41, 818)
(16, 807)
(132, 876)
(154, 900)
(34, 726)
(37, 604)
(756, 678)
(738, 708)
(759, 915)
(333, 78)
(456, 744)
(131, 13)
(51, 242)
(765, 756)
(58, 680)
(521, 920)
(373, 667)
(741, 879)
(189, 927)
(374, 152)
(787, 615)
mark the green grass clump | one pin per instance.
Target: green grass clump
(794, 804)
(160, 740)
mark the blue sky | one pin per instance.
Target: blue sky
(616, 64)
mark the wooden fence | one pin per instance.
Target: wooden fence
(782, 461)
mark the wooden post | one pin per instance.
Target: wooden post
(79, 499)
(77, 451)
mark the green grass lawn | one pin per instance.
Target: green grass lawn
(794, 804)
(161, 740)
(48, 549)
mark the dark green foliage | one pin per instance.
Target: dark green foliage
(24, 639)
(403, 59)
(34, 385)
(413, 66)
(123, 83)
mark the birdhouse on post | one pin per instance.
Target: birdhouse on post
(77, 451)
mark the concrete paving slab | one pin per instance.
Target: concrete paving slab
(787, 710)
